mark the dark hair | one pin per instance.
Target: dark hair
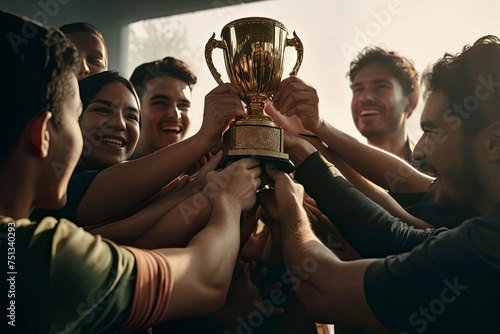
(40, 63)
(401, 67)
(167, 67)
(84, 27)
(91, 85)
(460, 78)
(77, 27)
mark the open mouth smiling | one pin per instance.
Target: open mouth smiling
(369, 111)
(113, 141)
(169, 128)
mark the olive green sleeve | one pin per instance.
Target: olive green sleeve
(77, 282)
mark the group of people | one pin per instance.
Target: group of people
(112, 222)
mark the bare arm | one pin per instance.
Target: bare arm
(371, 190)
(202, 271)
(299, 102)
(121, 187)
(171, 220)
(147, 229)
(179, 225)
(382, 168)
(300, 148)
(332, 290)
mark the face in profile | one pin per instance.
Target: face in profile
(65, 150)
(93, 54)
(440, 151)
(166, 113)
(378, 103)
(110, 127)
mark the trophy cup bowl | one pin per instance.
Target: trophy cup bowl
(254, 50)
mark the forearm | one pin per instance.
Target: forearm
(382, 168)
(372, 191)
(371, 230)
(202, 271)
(160, 223)
(218, 243)
(216, 247)
(297, 238)
(118, 188)
(178, 225)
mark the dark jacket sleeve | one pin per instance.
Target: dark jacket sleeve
(370, 229)
(447, 284)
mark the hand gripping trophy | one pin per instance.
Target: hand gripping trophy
(254, 49)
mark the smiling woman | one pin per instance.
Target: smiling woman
(110, 120)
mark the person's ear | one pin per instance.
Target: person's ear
(494, 143)
(40, 136)
(411, 103)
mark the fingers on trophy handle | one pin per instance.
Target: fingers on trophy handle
(209, 47)
(296, 42)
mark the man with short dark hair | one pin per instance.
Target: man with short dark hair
(164, 87)
(384, 94)
(432, 281)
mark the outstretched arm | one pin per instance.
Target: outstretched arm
(368, 188)
(202, 271)
(145, 286)
(121, 187)
(299, 102)
(171, 220)
(370, 229)
(332, 290)
(299, 149)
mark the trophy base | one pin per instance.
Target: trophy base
(256, 137)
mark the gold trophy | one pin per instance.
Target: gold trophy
(254, 49)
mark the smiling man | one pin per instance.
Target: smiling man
(164, 87)
(384, 94)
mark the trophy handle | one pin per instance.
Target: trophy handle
(209, 47)
(295, 42)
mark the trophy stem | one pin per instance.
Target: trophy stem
(255, 104)
(255, 109)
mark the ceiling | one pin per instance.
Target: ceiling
(109, 16)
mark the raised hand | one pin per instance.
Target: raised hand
(292, 124)
(295, 97)
(287, 194)
(222, 105)
(236, 184)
